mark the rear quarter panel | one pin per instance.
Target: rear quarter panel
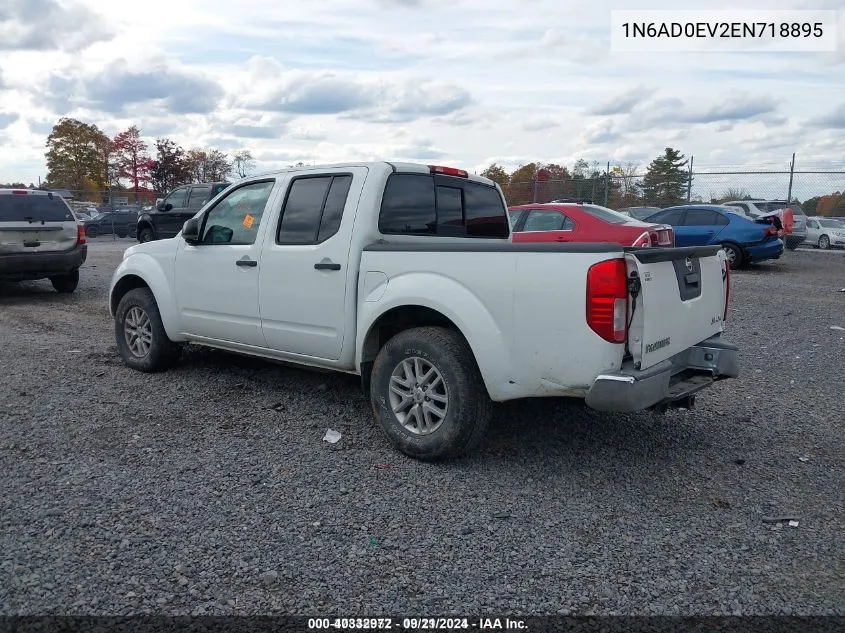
(522, 313)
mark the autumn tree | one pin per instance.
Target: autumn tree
(555, 182)
(521, 186)
(833, 204)
(666, 179)
(169, 168)
(131, 158)
(77, 152)
(243, 163)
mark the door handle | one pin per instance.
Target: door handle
(247, 262)
(327, 266)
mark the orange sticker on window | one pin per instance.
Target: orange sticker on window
(248, 220)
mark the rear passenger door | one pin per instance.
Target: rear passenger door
(701, 227)
(306, 282)
(546, 225)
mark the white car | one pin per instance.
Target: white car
(405, 275)
(825, 232)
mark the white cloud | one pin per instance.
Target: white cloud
(466, 82)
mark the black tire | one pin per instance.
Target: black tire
(791, 245)
(468, 409)
(91, 231)
(146, 235)
(738, 256)
(120, 234)
(824, 242)
(66, 284)
(162, 353)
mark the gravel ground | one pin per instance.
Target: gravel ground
(208, 489)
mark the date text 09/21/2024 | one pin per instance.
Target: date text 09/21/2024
(416, 624)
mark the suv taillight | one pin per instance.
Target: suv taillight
(727, 289)
(607, 300)
(80, 234)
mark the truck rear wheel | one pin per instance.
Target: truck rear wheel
(428, 394)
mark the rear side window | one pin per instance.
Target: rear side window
(198, 196)
(547, 220)
(34, 208)
(442, 205)
(703, 217)
(313, 209)
(606, 215)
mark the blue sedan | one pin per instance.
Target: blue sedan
(744, 240)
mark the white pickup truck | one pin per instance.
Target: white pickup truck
(406, 275)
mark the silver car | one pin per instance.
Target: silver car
(825, 232)
(40, 238)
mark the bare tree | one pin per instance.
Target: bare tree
(243, 162)
(731, 193)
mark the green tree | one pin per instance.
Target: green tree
(207, 165)
(77, 151)
(169, 168)
(810, 205)
(666, 179)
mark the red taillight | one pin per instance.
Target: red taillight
(664, 236)
(448, 171)
(80, 234)
(19, 192)
(642, 241)
(607, 300)
(771, 231)
(727, 288)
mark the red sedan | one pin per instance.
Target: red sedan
(584, 223)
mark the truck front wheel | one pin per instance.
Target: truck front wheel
(428, 394)
(140, 335)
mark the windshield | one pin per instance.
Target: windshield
(607, 215)
(832, 224)
(34, 208)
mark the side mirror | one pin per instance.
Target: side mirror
(191, 231)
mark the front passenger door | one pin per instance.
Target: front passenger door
(216, 281)
(169, 223)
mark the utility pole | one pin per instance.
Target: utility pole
(689, 181)
(791, 173)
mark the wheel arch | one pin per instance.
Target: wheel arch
(487, 350)
(153, 279)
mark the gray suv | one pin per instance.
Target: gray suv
(40, 238)
(760, 208)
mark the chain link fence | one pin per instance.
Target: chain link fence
(821, 191)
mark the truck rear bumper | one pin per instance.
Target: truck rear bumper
(23, 266)
(669, 381)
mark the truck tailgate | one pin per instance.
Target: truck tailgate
(681, 300)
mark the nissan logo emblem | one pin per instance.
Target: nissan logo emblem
(689, 264)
